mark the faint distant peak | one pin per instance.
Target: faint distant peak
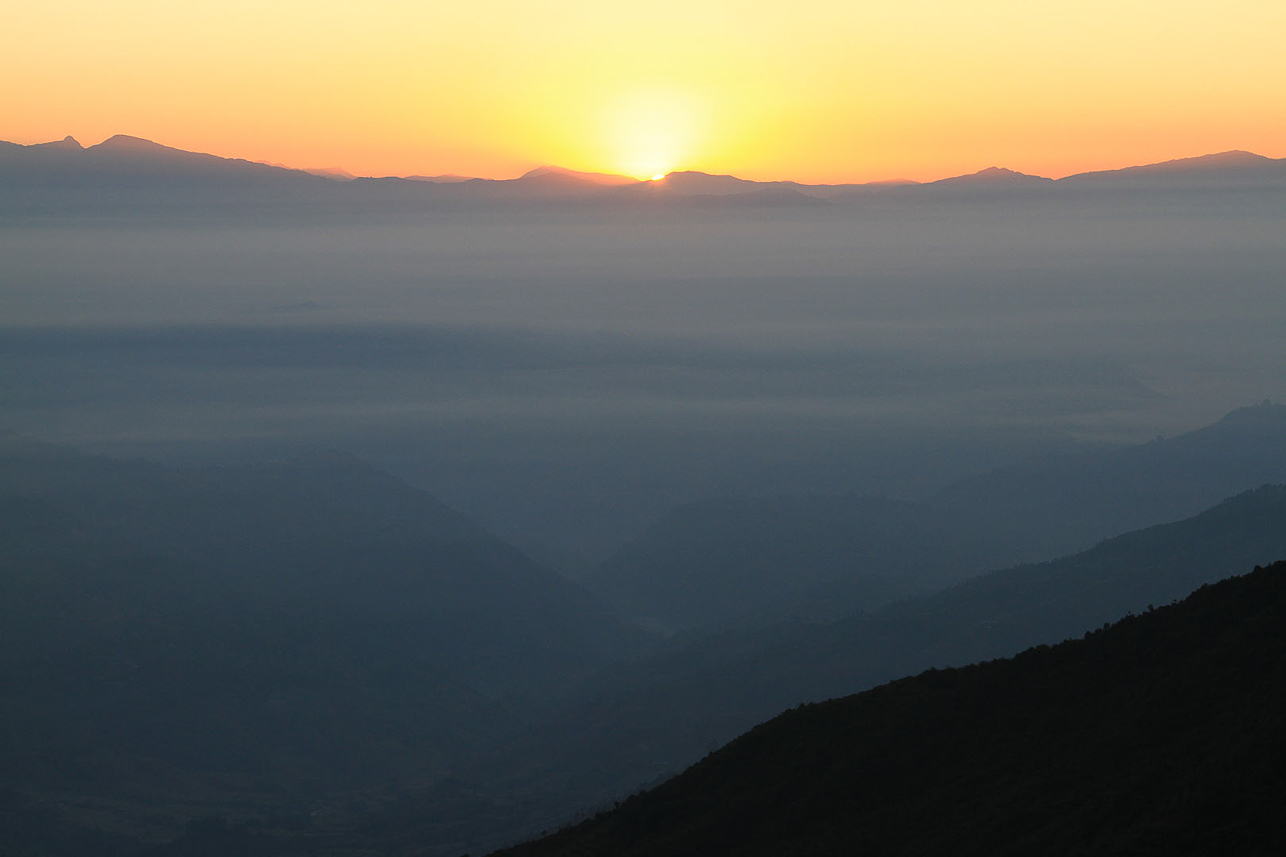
(1232, 158)
(1266, 412)
(999, 173)
(697, 174)
(610, 179)
(889, 183)
(126, 143)
(68, 143)
(545, 170)
(991, 176)
(445, 178)
(337, 173)
(697, 183)
(1236, 165)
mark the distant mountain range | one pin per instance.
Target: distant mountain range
(745, 561)
(130, 164)
(122, 159)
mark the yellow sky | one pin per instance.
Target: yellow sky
(813, 90)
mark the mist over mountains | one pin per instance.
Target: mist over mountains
(266, 635)
(238, 628)
(418, 515)
(644, 721)
(740, 560)
(316, 539)
(567, 374)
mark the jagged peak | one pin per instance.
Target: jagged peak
(68, 143)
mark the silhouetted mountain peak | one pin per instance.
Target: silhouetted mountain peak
(333, 173)
(126, 143)
(546, 170)
(1218, 160)
(697, 183)
(698, 175)
(991, 176)
(1266, 412)
(550, 170)
(445, 178)
(1235, 167)
(68, 143)
(1234, 156)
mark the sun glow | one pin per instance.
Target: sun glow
(649, 133)
(815, 91)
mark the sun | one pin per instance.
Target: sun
(648, 133)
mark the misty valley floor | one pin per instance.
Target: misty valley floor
(311, 656)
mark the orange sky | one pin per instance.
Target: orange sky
(813, 90)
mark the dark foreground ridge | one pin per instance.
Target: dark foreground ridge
(1162, 734)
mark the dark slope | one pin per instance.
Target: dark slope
(640, 721)
(259, 636)
(706, 565)
(1163, 734)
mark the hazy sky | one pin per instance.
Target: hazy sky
(814, 90)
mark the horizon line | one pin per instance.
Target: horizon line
(340, 173)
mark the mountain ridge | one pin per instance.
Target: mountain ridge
(716, 563)
(1147, 737)
(122, 153)
(655, 715)
(640, 721)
